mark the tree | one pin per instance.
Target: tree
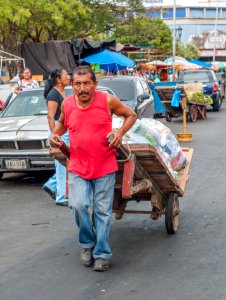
(189, 51)
(43, 20)
(144, 31)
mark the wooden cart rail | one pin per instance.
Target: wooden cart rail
(150, 165)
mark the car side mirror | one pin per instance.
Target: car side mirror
(143, 97)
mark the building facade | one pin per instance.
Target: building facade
(197, 21)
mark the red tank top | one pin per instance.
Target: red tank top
(90, 155)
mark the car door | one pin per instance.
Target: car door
(145, 106)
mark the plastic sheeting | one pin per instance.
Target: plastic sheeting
(43, 58)
(159, 136)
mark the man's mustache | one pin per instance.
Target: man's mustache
(83, 93)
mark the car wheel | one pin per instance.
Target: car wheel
(1, 175)
(217, 104)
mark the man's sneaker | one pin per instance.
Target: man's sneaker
(87, 257)
(101, 264)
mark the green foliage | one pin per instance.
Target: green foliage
(189, 51)
(43, 20)
(144, 31)
(198, 96)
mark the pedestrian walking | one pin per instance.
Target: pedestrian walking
(55, 94)
(87, 115)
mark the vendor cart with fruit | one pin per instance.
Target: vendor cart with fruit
(191, 99)
(143, 176)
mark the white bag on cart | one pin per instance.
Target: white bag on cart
(162, 138)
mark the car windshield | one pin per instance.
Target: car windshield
(27, 103)
(123, 89)
(195, 76)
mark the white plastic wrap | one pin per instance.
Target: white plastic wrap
(162, 138)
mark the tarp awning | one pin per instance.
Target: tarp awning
(110, 61)
(43, 58)
(200, 63)
(83, 47)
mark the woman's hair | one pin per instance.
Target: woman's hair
(52, 81)
(26, 69)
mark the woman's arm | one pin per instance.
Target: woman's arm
(52, 108)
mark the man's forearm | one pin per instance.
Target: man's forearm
(59, 128)
(127, 124)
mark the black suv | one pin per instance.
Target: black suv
(132, 91)
(211, 86)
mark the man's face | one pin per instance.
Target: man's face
(84, 87)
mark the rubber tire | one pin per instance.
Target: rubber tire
(172, 214)
(168, 117)
(217, 104)
(1, 175)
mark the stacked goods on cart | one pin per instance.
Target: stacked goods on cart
(162, 138)
(198, 96)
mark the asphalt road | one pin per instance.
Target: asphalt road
(39, 257)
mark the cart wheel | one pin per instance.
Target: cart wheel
(172, 214)
(205, 112)
(193, 113)
(168, 117)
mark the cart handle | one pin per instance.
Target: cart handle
(125, 152)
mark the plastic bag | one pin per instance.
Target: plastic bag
(166, 144)
(175, 102)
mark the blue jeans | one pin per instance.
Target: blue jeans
(57, 183)
(82, 193)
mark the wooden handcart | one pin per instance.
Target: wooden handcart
(143, 176)
(194, 110)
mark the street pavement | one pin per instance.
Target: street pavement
(39, 253)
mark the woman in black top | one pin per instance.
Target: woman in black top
(54, 93)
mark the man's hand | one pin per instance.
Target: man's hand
(55, 140)
(117, 139)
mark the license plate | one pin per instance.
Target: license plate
(16, 164)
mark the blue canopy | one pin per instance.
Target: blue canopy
(200, 63)
(110, 61)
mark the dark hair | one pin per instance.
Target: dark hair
(83, 70)
(52, 81)
(139, 67)
(26, 69)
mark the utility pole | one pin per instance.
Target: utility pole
(215, 34)
(174, 38)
